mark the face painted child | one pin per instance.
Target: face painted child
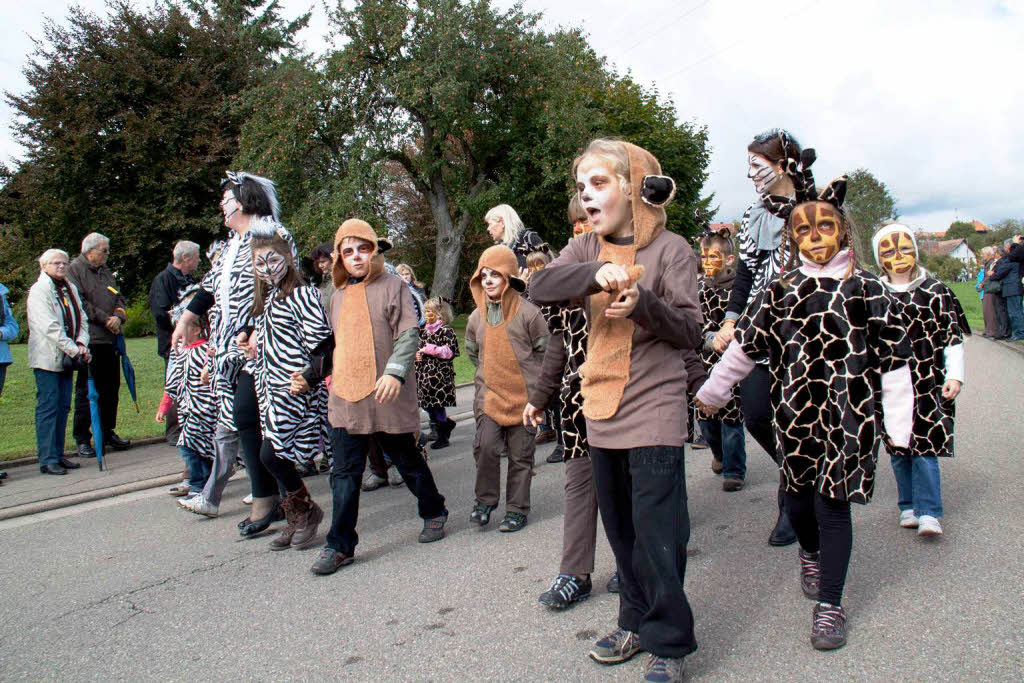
(601, 193)
(270, 265)
(713, 260)
(355, 256)
(817, 230)
(898, 256)
(493, 284)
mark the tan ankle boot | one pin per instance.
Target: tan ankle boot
(308, 516)
(284, 539)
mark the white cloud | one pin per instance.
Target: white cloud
(925, 94)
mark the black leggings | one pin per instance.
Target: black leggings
(755, 394)
(824, 525)
(247, 422)
(437, 414)
(283, 469)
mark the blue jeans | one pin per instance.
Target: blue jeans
(198, 468)
(1016, 314)
(729, 445)
(53, 402)
(918, 485)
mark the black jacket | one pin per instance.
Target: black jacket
(163, 296)
(100, 297)
(1009, 272)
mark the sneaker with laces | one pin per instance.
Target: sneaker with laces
(330, 561)
(514, 521)
(566, 590)
(616, 647)
(200, 506)
(908, 520)
(481, 514)
(828, 627)
(928, 526)
(664, 669)
(433, 529)
(810, 573)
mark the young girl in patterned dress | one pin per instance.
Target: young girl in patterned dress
(435, 371)
(937, 326)
(838, 352)
(194, 398)
(290, 324)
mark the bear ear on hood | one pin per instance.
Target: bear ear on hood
(383, 244)
(657, 190)
(516, 284)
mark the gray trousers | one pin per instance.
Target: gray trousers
(492, 440)
(225, 451)
(579, 526)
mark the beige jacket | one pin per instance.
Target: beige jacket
(48, 341)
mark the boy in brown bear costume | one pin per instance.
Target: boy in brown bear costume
(373, 393)
(505, 339)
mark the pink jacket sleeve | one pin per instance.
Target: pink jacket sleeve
(728, 371)
(443, 352)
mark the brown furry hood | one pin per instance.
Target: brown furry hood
(354, 227)
(651, 192)
(502, 259)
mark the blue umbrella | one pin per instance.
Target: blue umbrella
(97, 423)
(127, 369)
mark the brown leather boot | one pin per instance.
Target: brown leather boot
(308, 516)
(284, 539)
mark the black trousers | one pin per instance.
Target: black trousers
(755, 394)
(350, 452)
(106, 370)
(282, 469)
(641, 493)
(247, 422)
(824, 525)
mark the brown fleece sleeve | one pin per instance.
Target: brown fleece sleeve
(696, 375)
(675, 315)
(570, 276)
(551, 371)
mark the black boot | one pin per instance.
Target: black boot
(783, 533)
(432, 435)
(443, 432)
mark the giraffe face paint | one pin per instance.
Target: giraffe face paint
(581, 227)
(712, 261)
(897, 254)
(816, 229)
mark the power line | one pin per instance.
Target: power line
(667, 26)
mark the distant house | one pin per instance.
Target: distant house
(979, 227)
(957, 249)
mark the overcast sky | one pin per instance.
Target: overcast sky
(926, 94)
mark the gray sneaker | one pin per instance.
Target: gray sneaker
(433, 529)
(664, 669)
(616, 647)
(330, 561)
(371, 482)
(828, 629)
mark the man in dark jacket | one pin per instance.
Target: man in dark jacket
(105, 307)
(164, 294)
(166, 289)
(1008, 271)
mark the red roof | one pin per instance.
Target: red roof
(979, 226)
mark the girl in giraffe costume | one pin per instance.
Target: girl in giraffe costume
(837, 350)
(937, 326)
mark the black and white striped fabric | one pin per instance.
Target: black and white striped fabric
(285, 334)
(231, 314)
(196, 403)
(764, 265)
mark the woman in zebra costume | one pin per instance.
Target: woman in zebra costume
(770, 156)
(226, 293)
(290, 324)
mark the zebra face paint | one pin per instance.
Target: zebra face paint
(816, 230)
(761, 172)
(897, 254)
(269, 265)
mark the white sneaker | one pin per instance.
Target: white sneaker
(928, 526)
(247, 500)
(908, 520)
(179, 489)
(199, 505)
(371, 482)
(394, 478)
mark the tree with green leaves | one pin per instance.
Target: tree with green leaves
(870, 205)
(959, 230)
(128, 123)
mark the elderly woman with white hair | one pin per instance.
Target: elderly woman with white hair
(58, 342)
(506, 227)
(105, 306)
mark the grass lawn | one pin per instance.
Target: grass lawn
(18, 402)
(969, 299)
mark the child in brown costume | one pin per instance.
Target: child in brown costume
(370, 359)
(505, 339)
(640, 284)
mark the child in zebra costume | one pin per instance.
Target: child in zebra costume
(837, 351)
(290, 324)
(197, 406)
(937, 326)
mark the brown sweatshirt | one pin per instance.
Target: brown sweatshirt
(652, 411)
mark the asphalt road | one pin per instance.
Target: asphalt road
(135, 589)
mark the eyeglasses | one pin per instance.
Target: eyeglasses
(362, 249)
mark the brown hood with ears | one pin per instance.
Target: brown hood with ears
(648, 210)
(354, 227)
(502, 259)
